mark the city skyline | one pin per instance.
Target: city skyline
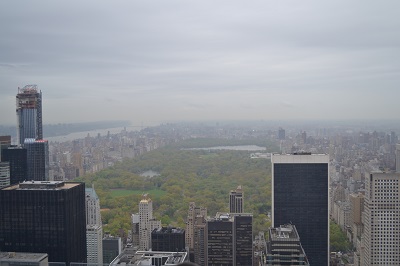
(174, 60)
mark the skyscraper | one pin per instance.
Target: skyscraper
(94, 228)
(44, 217)
(199, 240)
(381, 219)
(17, 157)
(168, 239)
(191, 222)
(236, 200)
(29, 113)
(146, 222)
(37, 159)
(300, 197)
(93, 215)
(229, 239)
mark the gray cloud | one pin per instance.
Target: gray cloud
(167, 60)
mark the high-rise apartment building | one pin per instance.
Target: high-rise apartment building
(190, 223)
(146, 222)
(29, 113)
(236, 200)
(37, 159)
(44, 217)
(229, 239)
(357, 208)
(381, 219)
(4, 174)
(199, 238)
(94, 244)
(300, 197)
(94, 228)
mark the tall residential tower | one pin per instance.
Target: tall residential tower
(29, 113)
(146, 222)
(236, 200)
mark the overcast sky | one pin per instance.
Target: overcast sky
(166, 60)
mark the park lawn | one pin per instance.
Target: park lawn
(156, 193)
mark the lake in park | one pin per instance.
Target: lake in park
(233, 148)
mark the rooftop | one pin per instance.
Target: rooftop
(168, 230)
(20, 256)
(42, 185)
(140, 258)
(286, 231)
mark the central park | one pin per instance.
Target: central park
(202, 176)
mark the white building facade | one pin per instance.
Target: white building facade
(381, 219)
(94, 228)
(146, 223)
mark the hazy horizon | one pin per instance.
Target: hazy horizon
(160, 61)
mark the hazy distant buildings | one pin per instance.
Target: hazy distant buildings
(300, 197)
(381, 219)
(29, 113)
(281, 134)
(229, 240)
(284, 247)
(44, 217)
(236, 200)
(398, 158)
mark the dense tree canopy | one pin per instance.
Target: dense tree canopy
(338, 239)
(202, 176)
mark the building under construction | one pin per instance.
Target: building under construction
(29, 113)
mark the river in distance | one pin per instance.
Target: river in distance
(92, 133)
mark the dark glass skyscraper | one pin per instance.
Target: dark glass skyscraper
(17, 157)
(229, 239)
(37, 159)
(29, 113)
(300, 197)
(168, 239)
(44, 217)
